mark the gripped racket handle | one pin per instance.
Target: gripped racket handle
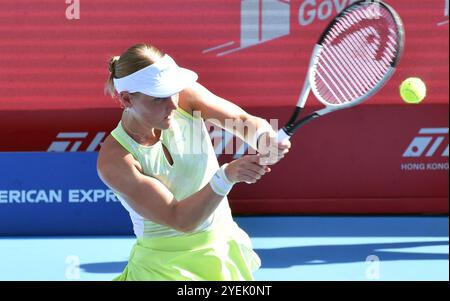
(282, 135)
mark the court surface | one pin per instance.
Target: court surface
(291, 248)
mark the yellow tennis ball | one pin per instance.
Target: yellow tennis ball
(413, 90)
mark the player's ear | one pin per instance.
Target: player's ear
(125, 99)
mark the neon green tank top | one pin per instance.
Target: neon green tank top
(194, 164)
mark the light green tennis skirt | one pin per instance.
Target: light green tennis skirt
(222, 253)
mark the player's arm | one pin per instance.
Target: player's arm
(221, 112)
(225, 114)
(153, 201)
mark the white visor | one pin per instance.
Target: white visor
(162, 79)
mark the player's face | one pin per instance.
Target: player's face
(154, 112)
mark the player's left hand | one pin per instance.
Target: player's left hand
(271, 150)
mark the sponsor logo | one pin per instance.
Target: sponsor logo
(57, 196)
(266, 20)
(71, 142)
(429, 144)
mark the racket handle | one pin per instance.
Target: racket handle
(282, 135)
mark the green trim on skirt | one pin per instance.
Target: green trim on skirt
(222, 253)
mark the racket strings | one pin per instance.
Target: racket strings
(357, 53)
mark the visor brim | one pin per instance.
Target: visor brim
(172, 83)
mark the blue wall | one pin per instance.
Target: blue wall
(57, 194)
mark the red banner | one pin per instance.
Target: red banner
(382, 157)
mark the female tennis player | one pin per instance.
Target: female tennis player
(177, 196)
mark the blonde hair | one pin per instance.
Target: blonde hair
(133, 59)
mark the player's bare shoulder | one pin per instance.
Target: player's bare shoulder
(112, 155)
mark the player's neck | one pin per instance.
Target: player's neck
(141, 134)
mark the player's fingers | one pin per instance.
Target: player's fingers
(247, 179)
(284, 144)
(252, 158)
(270, 160)
(255, 168)
(273, 158)
(282, 152)
(252, 174)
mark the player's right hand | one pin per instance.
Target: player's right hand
(271, 149)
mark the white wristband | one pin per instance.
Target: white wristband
(220, 183)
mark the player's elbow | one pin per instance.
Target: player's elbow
(181, 227)
(167, 215)
(183, 222)
(187, 229)
(184, 226)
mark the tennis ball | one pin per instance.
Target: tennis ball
(413, 90)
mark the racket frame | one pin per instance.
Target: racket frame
(292, 125)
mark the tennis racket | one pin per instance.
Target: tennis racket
(354, 57)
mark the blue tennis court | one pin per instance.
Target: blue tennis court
(291, 248)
